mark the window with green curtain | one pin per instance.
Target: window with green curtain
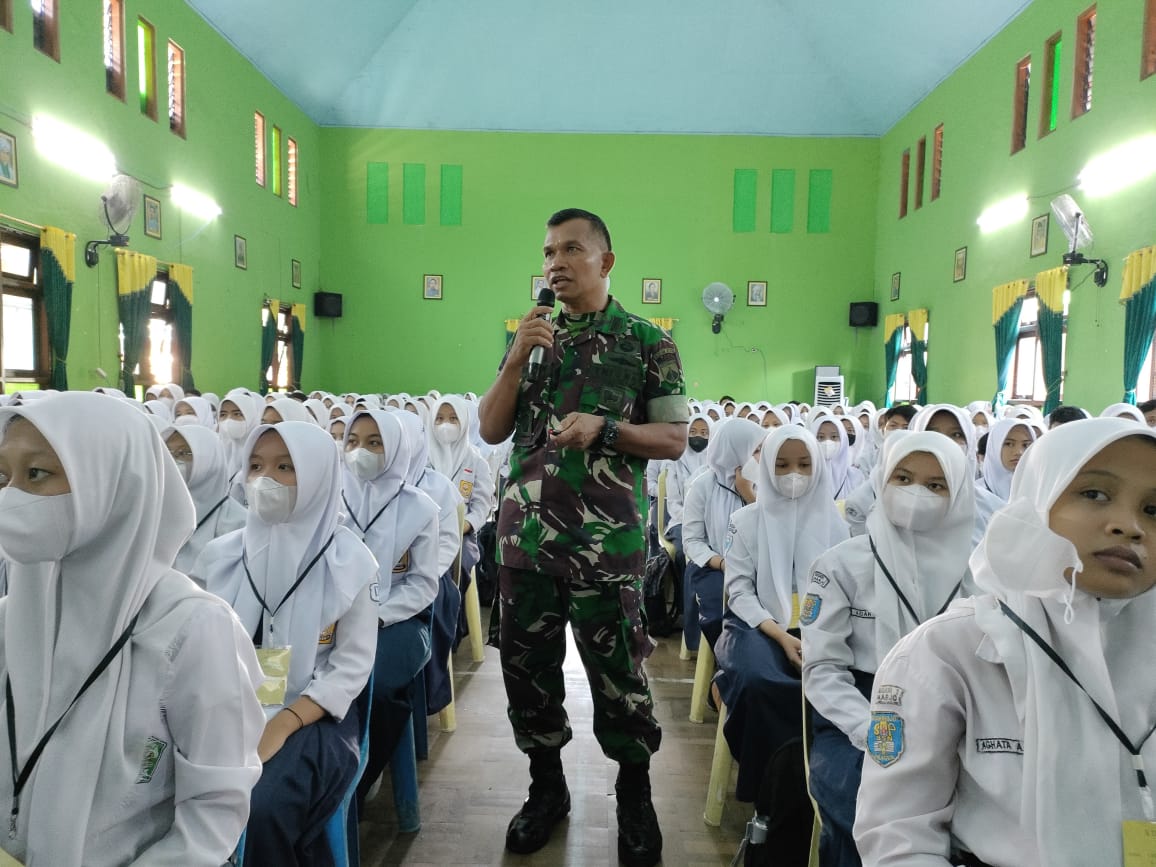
(135, 273)
(297, 342)
(180, 297)
(1138, 295)
(1005, 317)
(57, 275)
(1050, 288)
(917, 321)
(892, 343)
(268, 340)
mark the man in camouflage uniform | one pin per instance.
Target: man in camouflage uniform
(571, 543)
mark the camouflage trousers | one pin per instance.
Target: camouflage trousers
(606, 620)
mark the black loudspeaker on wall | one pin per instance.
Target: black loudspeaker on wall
(327, 305)
(863, 314)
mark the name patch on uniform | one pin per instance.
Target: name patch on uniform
(820, 579)
(402, 564)
(885, 738)
(862, 612)
(154, 749)
(326, 636)
(812, 604)
(999, 745)
(889, 694)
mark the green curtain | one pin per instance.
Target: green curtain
(917, 320)
(1139, 298)
(1007, 300)
(269, 341)
(892, 343)
(135, 273)
(297, 342)
(57, 276)
(1050, 287)
(181, 303)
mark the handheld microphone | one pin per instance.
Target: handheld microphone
(538, 353)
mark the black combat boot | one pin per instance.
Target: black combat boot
(639, 838)
(547, 805)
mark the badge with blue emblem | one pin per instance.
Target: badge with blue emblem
(812, 602)
(885, 738)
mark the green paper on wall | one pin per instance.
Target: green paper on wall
(413, 194)
(451, 195)
(819, 201)
(746, 191)
(377, 193)
(782, 201)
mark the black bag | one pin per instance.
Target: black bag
(783, 813)
(658, 578)
(486, 572)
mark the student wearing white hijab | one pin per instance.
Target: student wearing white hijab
(214, 401)
(200, 459)
(1008, 441)
(286, 409)
(452, 455)
(170, 393)
(834, 445)
(978, 735)
(866, 593)
(399, 523)
(1124, 410)
(774, 418)
(679, 475)
(298, 580)
(160, 409)
(239, 415)
(153, 761)
(194, 410)
(711, 500)
(773, 543)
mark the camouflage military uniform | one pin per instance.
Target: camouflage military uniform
(570, 534)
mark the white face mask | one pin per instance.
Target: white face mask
(270, 500)
(447, 431)
(233, 429)
(35, 529)
(364, 464)
(792, 485)
(750, 470)
(829, 448)
(914, 507)
(185, 468)
(167, 401)
(184, 419)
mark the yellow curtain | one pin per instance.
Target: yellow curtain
(135, 272)
(63, 247)
(57, 276)
(180, 294)
(1004, 297)
(666, 324)
(917, 322)
(298, 312)
(182, 275)
(1139, 269)
(1050, 287)
(891, 323)
(512, 325)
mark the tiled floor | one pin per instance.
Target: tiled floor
(475, 780)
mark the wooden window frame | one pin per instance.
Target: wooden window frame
(163, 312)
(904, 181)
(936, 162)
(283, 351)
(6, 15)
(920, 168)
(276, 140)
(1032, 332)
(28, 288)
(1085, 63)
(147, 54)
(176, 87)
(291, 156)
(46, 28)
(113, 37)
(902, 360)
(1020, 99)
(1050, 92)
(260, 150)
(1148, 43)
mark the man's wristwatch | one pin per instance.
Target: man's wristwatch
(609, 435)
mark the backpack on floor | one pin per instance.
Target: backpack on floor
(656, 583)
(780, 832)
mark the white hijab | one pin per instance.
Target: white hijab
(929, 567)
(316, 408)
(690, 461)
(277, 554)
(251, 406)
(842, 480)
(209, 487)
(160, 409)
(451, 458)
(792, 532)
(1124, 410)
(131, 515)
(732, 443)
(203, 414)
(1106, 643)
(291, 410)
(996, 477)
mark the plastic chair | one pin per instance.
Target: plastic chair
(403, 773)
(817, 827)
(420, 732)
(720, 774)
(703, 674)
(470, 600)
(684, 653)
(341, 829)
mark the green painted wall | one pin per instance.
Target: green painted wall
(975, 106)
(217, 158)
(671, 207)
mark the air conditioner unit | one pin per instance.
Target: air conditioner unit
(828, 386)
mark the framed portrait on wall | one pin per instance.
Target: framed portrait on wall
(295, 273)
(895, 286)
(432, 287)
(1040, 227)
(240, 252)
(152, 217)
(9, 170)
(757, 293)
(960, 271)
(651, 291)
(537, 284)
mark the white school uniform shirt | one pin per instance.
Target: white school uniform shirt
(775, 539)
(653, 470)
(462, 464)
(712, 498)
(440, 489)
(155, 763)
(216, 512)
(329, 621)
(398, 523)
(681, 472)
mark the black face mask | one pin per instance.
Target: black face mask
(697, 444)
(850, 439)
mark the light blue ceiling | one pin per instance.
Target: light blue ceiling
(768, 67)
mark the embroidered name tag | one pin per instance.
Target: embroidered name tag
(999, 745)
(889, 694)
(862, 612)
(820, 579)
(153, 751)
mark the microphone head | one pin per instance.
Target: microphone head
(546, 297)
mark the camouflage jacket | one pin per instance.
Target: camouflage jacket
(568, 512)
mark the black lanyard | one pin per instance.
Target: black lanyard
(899, 593)
(212, 512)
(272, 614)
(1125, 741)
(19, 780)
(364, 530)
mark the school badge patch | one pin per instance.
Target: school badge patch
(402, 565)
(885, 738)
(812, 603)
(153, 751)
(465, 488)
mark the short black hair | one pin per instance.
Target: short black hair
(1064, 414)
(725, 398)
(981, 445)
(1147, 406)
(595, 221)
(904, 410)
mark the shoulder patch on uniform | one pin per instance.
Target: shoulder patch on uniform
(812, 603)
(402, 565)
(327, 634)
(154, 748)
(465, 488)
(1012, 746)
(820, 579)
(885, 738)
(890, 694)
